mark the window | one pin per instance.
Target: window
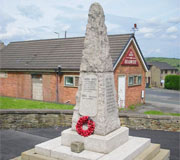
(139, 80)
(3, 74)
(134, 80)
(166, 71)
(71, 81)
(130, 81)
(171, 71)
(161, 71)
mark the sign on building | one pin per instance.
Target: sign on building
(130, 59)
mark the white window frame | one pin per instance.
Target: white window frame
(72, 76)
(3, 75)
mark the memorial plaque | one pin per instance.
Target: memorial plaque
(88, 102)
(110, 97)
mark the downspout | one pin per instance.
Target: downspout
(57, 86)
(58, 73)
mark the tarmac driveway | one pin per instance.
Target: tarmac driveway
(163, 99)
(13, 142)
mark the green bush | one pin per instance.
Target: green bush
(172, 82)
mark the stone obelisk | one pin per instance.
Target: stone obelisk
(96, 96)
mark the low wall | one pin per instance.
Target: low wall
(49, 118)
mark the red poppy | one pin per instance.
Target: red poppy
(82, 121)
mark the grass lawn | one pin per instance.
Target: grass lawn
(14, 103)
(161, 113)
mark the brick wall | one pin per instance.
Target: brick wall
(133, 93)
(67, 93)
(49, 87)
(16, 84)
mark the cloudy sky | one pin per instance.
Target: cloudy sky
(158, 21)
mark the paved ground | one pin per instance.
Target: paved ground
(14, 142)
(160, 100)
(163, 99)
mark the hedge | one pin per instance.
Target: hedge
(172, 82)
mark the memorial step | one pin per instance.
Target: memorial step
(162, 155)
(17, 158)
(149, 153)
(128, 151)
(31, 155)
(46, 147)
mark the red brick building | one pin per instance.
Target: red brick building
(48, 69)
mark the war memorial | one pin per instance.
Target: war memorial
(96, 132)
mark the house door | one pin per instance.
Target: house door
(121, 91)
(37, 91)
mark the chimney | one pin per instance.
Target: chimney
(1, 45)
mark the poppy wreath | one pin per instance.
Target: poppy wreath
(90, 123)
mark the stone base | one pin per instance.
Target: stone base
(134, 149)
(124, 148)
(129, 150)
(97, 143)
(161, 154)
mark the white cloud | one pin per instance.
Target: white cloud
(173, 36)
(174, 20)
(111, 26)
(148, 35)
(65, 27)
(154, 21)
(71, 15)
(14, 31)
(30, 11)
(158, 50)
(146, 30)
(172, 29)
(169, 36)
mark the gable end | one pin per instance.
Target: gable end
(138, 51)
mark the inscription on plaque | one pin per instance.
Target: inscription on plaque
(110, 97)
(88, 103)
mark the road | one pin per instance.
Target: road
(165, 100)
(13, 142)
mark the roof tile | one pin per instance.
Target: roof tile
(48, 54)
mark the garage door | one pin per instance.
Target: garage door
(37, 91)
